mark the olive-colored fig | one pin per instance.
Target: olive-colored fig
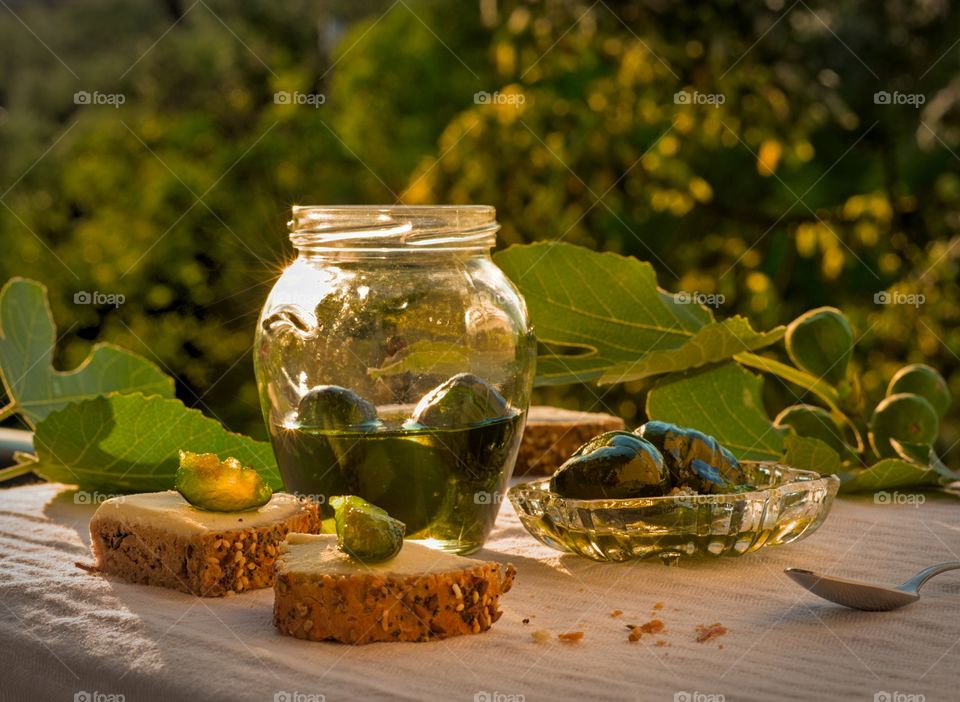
(364, 531)
(334, 407)
(461, 400)
(821, 342)
(614, 465)
(906, 417)
(208, 483)
(815, 422)
(693, 458)
(922, 380)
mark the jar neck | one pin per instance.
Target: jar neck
(389, 231)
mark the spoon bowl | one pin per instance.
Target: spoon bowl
(868, 597)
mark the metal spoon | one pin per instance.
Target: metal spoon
(860, 595)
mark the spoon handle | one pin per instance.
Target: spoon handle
(916, 582)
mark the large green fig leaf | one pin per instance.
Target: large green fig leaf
(724, 401)
(808, 453)
(716, 341)
(601, 313)
(33, 387)
(129, 443)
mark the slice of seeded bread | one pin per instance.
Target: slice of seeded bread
(157, 538)
(420, 595)
(552, 435)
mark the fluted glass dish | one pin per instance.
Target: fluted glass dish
(788, 504)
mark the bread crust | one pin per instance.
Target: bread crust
(214, 564)
(367, 607)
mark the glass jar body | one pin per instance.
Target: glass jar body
(402, 376)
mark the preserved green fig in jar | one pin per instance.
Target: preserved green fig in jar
(922, 380)
(614, 465)
(463, 399)
(821, 342)
(905, 417)
(332, 407)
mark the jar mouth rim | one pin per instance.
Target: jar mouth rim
(393, 227)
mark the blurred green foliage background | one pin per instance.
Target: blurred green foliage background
(801, 189)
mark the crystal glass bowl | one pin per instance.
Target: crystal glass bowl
(788, 505)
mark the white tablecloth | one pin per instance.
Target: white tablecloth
(65, 634)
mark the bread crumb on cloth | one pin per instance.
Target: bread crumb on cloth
(706, 633)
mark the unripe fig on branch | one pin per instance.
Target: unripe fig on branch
(820, 342)
(924, 381)
(906, 417)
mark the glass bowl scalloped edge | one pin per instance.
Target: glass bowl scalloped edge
(788, 505)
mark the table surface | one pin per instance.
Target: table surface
(64, 632)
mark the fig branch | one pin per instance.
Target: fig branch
(823, 390)
(8, 411)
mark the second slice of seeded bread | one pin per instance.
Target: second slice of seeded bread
(420, 595)
(552, 434)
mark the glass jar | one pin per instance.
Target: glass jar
(394, 361)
